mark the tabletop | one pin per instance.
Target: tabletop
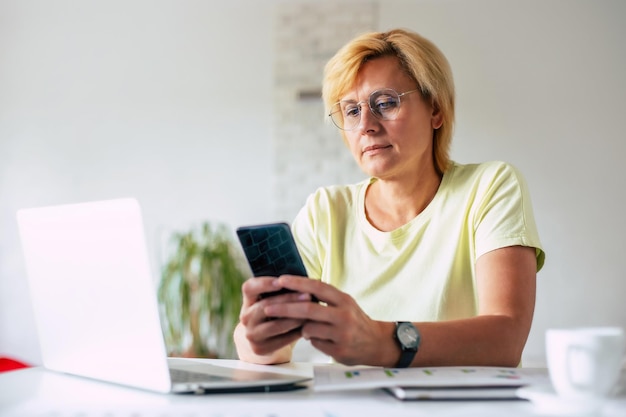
(39, 392)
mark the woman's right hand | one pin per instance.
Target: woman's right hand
(262, 339)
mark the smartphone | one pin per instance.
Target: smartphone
(271, 251)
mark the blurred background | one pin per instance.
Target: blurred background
(210, 111)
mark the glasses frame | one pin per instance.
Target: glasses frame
(369, 104)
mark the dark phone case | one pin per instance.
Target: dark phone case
(271, 250)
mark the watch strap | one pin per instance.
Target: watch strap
(406, 357)
(407, 353)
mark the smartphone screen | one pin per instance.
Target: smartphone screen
(271, 250)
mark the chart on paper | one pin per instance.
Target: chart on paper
(333, 378)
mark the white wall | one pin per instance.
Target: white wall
(172, 102)
(168, 101)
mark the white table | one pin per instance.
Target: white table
(38, 392)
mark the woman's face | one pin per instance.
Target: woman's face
(392, 149)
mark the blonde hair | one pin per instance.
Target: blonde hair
(418, 57)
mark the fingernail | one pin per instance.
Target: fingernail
(304, 297)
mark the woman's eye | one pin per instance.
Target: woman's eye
(386, 103)
(351, 111)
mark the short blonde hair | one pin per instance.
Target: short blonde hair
(418, 57)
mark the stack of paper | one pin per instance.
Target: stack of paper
(425, 383)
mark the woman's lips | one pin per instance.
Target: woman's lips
(375, 148)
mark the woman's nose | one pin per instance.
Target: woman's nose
(368, 121)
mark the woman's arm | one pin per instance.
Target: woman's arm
(506, 284)
(496, 337)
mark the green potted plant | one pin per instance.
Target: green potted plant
(200, 292)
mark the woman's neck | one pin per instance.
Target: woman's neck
(392, 203)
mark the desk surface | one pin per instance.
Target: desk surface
(37, 392)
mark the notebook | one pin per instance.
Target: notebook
(462, 393)
(431, 383)
(95, 305)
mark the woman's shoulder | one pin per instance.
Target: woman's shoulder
(337, 193)
(484, 171)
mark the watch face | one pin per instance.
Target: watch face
(407, 335)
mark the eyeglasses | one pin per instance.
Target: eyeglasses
(384, 105)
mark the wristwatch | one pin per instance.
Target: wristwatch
(408, 337)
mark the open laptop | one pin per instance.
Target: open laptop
(95, 304)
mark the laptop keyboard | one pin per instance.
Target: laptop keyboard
(180, 376)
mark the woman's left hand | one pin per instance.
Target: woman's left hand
(337, 326)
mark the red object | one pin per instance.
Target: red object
(7, 364)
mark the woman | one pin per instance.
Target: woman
(428, 262)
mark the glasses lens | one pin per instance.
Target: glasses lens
(346, 115)
(385, 104)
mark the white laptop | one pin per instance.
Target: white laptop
(95, 304)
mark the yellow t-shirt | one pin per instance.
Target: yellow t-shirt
(424, 270)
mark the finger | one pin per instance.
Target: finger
(299, 311)
(274, 328)
(259, 326)
(316, 330)
(270, 345)
(254, 287)
(320, 290)
(274, 333)
(332, 341)
(338, 352)
(254, 314)
(284, 298)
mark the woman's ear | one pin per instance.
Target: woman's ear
(437, 117)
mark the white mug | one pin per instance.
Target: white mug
(585, 363)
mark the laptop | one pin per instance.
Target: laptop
(95, 303)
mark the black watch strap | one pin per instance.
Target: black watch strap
(406, 357)
(408, 339)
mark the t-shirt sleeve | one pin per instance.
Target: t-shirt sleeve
(305, 235)
(504, 215)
